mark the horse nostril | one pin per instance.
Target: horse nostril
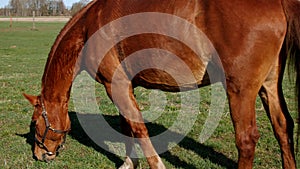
(47, 157)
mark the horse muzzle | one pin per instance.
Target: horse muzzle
(43, 155)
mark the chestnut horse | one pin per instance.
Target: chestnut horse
(253, 40)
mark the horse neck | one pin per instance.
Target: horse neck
(57, 81)
(63, 63)
(61, 68)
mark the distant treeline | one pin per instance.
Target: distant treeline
(23, 8)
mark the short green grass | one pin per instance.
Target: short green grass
(23, 54)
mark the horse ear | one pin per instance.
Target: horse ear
(32, 99)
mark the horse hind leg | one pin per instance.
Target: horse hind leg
(272, 97)
(121, 93)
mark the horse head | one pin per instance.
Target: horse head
(50, 128)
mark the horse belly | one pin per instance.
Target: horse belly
(170, 80)
(160, 62)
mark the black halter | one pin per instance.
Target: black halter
(41, 143)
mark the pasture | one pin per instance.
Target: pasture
(23, 54)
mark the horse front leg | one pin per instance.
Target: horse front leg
(242, 106)
(121, 93)
(131, 160)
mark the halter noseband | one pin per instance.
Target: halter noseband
(41, 143)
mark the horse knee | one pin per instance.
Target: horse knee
(246, 142)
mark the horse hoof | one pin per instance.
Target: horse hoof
(129, 164)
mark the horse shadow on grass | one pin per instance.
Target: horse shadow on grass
(187, 143)
(29, 137)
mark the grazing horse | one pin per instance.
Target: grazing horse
(252, 39)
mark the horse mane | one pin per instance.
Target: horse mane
(70, 24)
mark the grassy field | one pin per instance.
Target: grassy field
(23, 54)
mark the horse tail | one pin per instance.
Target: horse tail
(292, 46)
